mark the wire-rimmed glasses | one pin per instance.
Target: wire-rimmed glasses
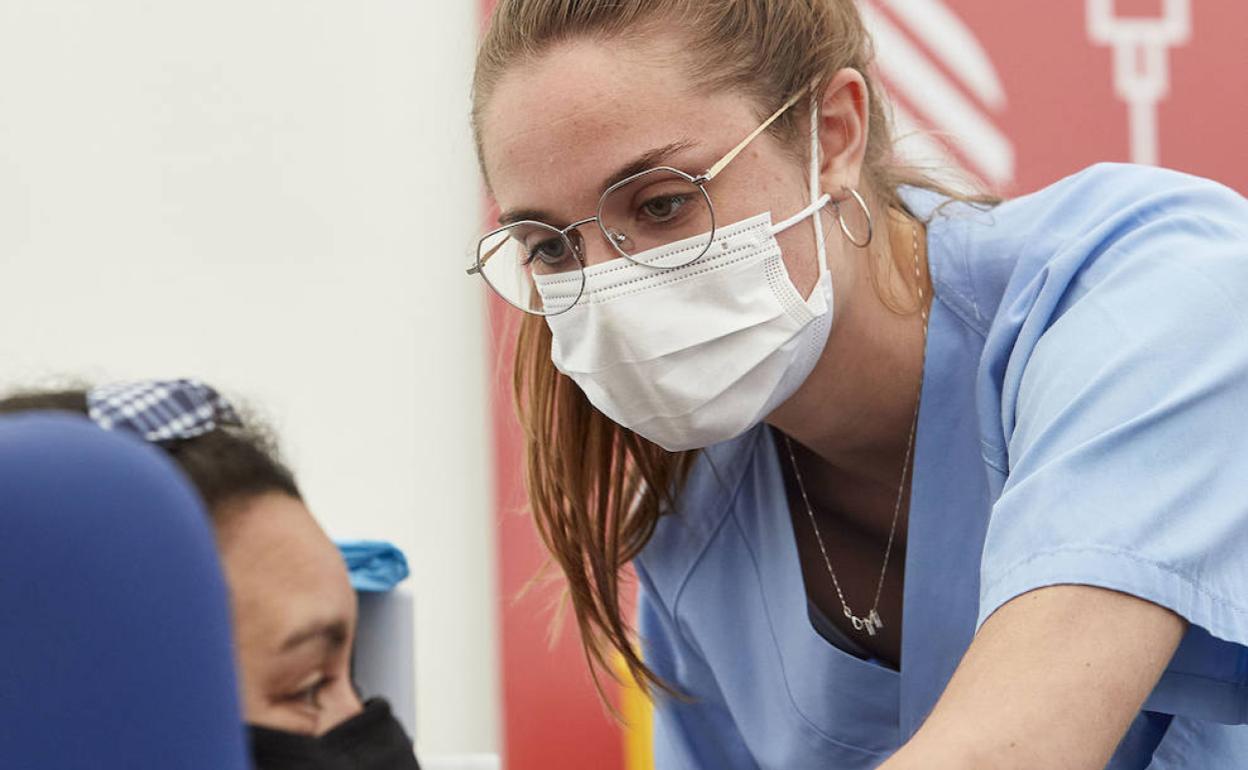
(640, 217)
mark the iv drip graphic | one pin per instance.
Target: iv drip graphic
(1141, 63)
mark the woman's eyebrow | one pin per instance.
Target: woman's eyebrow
(647, 161)
(643, 162)
(334, 633)
(524, 215)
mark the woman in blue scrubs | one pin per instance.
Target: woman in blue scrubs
(909, 480)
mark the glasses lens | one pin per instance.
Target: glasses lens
(658, 209)
(533, 267)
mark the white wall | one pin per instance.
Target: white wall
(275, 197)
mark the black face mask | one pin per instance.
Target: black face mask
(371, 740)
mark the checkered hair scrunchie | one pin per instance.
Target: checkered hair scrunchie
(161, 411)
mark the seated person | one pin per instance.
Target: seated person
(293, 608)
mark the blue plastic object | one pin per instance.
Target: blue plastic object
(115, 651)
(375, 565)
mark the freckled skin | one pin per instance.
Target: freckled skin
(556, 128)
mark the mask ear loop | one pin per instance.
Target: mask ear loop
(815, 194)
(818, 200)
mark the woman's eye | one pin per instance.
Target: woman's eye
(309, 697)
(551, 251)
(664, 208)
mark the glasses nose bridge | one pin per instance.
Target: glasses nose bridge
(581, 242)
(578, 225)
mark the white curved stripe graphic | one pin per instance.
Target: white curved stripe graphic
(954, 44)
(940, 101)
(921, 149)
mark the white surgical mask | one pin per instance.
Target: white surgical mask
(692, 356)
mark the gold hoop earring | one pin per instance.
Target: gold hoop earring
(866, 212)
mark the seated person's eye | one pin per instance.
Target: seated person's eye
(309, 696)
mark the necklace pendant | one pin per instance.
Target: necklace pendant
(870, 624)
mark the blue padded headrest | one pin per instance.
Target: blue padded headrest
(115, 648)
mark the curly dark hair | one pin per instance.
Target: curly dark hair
(226, 465)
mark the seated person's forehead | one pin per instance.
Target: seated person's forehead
(285, 575)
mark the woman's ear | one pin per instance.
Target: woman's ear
(844, 122)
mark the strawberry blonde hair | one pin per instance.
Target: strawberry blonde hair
(597, 490)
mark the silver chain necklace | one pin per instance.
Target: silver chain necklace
(872, 623)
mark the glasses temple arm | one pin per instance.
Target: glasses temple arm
(714, 170)
(482, 260)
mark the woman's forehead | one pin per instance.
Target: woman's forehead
(275, 548)
(562, 125)
(284, 574)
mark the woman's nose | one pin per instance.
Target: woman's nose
(595, 247)
(342, 704)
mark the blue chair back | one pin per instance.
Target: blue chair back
(115, 647)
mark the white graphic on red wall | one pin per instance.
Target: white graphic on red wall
(1141, 63)
(944, 89)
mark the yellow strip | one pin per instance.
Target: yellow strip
(638, 726)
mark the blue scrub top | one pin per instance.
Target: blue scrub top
(1084, 420)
